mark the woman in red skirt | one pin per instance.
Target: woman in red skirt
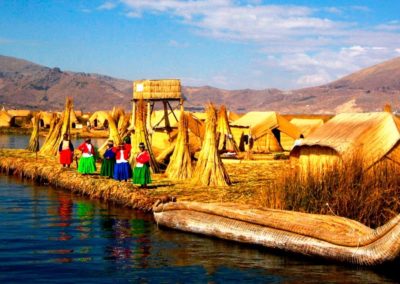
(66, 150)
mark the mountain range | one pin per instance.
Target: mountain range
(26, 85)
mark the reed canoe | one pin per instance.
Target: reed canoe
(331, 237)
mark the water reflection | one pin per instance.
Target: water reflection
(49, 234)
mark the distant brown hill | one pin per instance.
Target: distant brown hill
(24, 84)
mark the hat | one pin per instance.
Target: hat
(141, 145)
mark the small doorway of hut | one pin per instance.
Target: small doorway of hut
(73, 125)
(41, 123)
(95, 122)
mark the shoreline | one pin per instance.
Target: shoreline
(47, 170)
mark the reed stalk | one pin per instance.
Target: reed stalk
(33, 144)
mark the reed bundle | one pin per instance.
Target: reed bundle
(180, 165)
(157, 89)
(55, 136)
(113, 132)
(141, 135)
(209, 169)
(224, 134)
(34, 140)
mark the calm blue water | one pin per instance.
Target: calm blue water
(49, 235)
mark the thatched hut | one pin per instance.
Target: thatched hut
(20, 117)
(45, 119)
(372, 137)
(99, 119)
(5, 119)
(306, 125)
(268, 131)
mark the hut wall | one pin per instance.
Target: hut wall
(286, 142)
(315, 159)
(157, 89)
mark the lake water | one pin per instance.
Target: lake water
(50, 235)
(22, 141)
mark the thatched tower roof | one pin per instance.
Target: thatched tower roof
(370, 135)
(157, 89)
(306, 126)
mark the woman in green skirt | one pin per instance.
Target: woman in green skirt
(141, 172)
(87, 164)
(107, 166)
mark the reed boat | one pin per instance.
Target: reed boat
(330, 237)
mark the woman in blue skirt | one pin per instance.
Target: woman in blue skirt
(122, 169)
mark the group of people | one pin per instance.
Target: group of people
(115, 162)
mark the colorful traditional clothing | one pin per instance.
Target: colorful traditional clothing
(122, 169)
(107, 166)
(141, 172)
(66, 150)
(87, 164)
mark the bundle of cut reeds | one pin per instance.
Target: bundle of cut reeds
(224, 133)
(34, 140)
(113, 133)
(141, 136)
(180, 165)
(55, 136)
(209, 169)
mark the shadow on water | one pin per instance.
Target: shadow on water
(50, 235)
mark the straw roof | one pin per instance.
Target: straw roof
(19, 112)
(372, 135)
(261, 123)
(5, 119)
(306, 126)
(100, 115)
(157, 89)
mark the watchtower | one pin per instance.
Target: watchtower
(167, 92)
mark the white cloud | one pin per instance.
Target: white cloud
(311, 48)
(107, 6)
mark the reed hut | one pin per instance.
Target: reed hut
(20, 117)
(306, 125)
(45, 119)
(99, 119)
(5, 119)
(373, 137)
(264, 132)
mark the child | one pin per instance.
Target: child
(141, 173)
(66, 150)
(87, 164)
(122, 169)
(107, 166)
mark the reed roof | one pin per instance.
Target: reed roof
(371, 135)
(19, 112)
(100, 115)
(306, 125)
(261, 123)
(157, 89)
(5, 118)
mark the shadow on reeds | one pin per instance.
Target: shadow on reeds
(370, 196)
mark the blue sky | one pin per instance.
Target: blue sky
(223, 43)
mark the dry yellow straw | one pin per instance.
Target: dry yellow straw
(180, 165)
(209, 168)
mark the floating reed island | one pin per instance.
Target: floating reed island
(340, 207)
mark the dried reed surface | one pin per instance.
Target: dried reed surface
(209, 167)
(180, 165)
(47, 170)
(113, 131)
(34, 140)
(371, 197)
(141, 136)
(224, 133)
(55, 136)
(157, 89)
